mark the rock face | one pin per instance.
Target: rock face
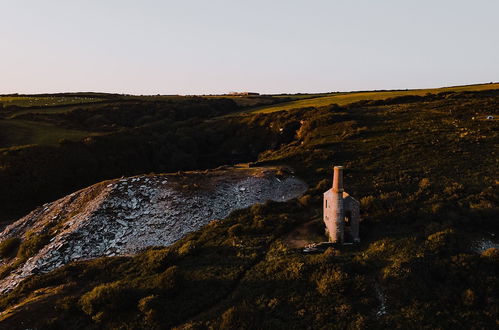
(124, 216)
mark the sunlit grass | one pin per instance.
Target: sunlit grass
(35, 101)
(23, 132)
(346, 98)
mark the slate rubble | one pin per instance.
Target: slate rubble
(128, 215)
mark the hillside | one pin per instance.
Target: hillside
(126, 216)
(424, 168)
(351, 97)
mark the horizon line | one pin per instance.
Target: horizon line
(248, 91)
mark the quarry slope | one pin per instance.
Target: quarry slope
(124, 216)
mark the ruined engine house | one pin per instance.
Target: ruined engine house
(341, 212)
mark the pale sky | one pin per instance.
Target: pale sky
(218, 46)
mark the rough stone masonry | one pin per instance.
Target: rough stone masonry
(341, 212)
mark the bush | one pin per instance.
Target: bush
(444, 241)
(9, 247)
(148, 306)
(331, 281)
(258, 209)
(187, 248)
(323, 185)
(366, 203)
(236, 318)
(32, 245)
(305, 200)
(492, 253)
(106, 301)
(169, 279)
(157, 260)
(235, 230)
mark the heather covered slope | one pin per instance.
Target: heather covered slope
(425, 173)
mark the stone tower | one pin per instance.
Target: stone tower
(341, 212)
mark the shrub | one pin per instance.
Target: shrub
(323, 185)
(236, 318)
(492, 253)
(157, 260)
(187, 248)
(258, 209)
(468, 297)
(32, 245)
(331, 281)
(107, 300)
(367, 202)
(424, 183)
(305, 200)
(443, 241)
(9, 247)
(330, 254)
(235, 230)
(148, 307)
(169, 279)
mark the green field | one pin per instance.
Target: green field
(45, 101)
(23, 132)
(47, 109)
(346, 98)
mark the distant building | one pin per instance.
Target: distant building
(341, 212)
(243, 94)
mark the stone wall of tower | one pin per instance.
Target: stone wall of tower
(353, 207)
(329, 216)
(337, 207)
(338, 215)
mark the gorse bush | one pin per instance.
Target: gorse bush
(31, 245)
(9, 247)
(236, 318)
(168, 280)
(332, 281)
(108, 301)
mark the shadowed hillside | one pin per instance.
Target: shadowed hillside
(424, 168)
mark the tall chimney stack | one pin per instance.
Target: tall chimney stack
(337, 207)
(338, 179)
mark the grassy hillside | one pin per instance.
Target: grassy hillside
(23, 132)
(45, 101)
(425, 173)
(346, 98)
(44, 156)
(17, 130)
(26, 120)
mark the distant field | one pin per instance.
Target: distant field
(22, 132)
(302, 96)
(47, 109)
(346, 98)
(45, 101)
(266, 99)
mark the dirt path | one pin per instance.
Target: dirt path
(303, 235)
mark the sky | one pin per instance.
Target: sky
(220, 46)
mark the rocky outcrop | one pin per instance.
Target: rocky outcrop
(124, 216)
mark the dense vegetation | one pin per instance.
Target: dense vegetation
(424, 171)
